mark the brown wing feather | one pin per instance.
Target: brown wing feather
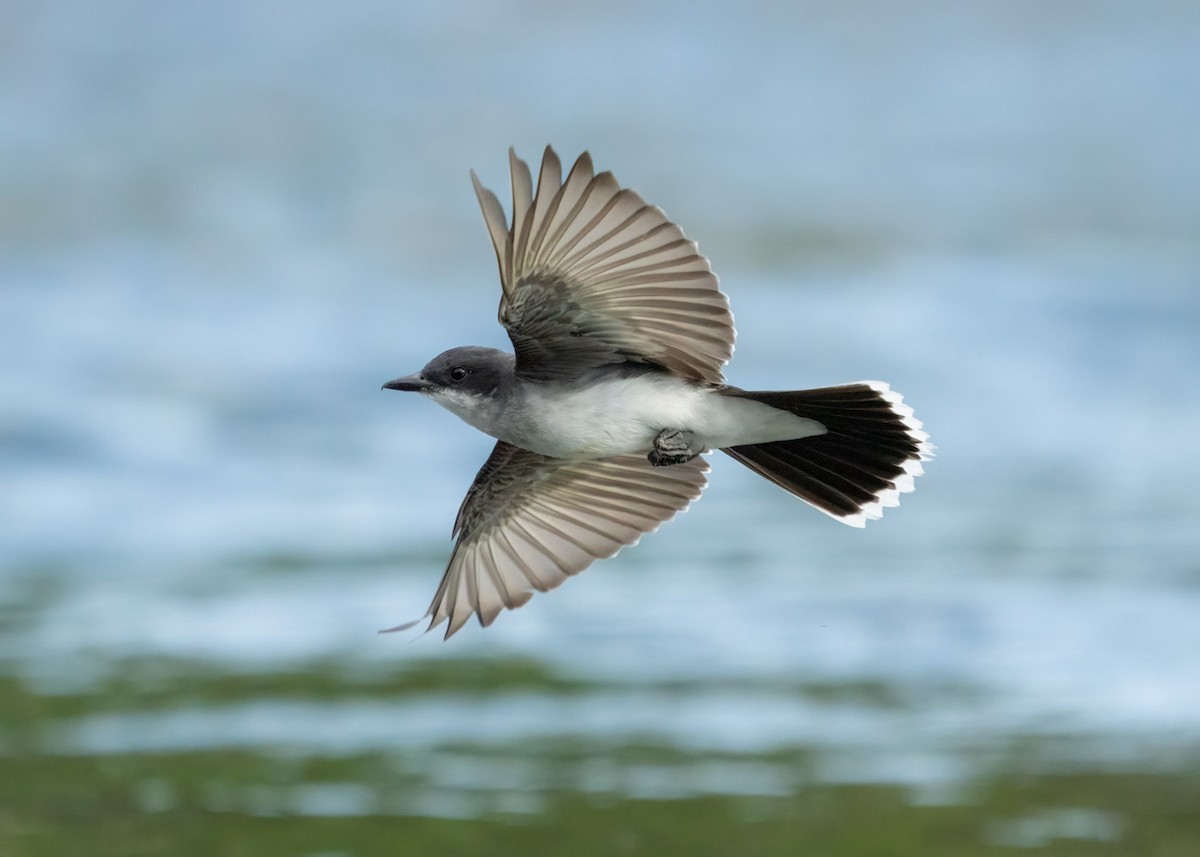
(529, 522)
(587, 260)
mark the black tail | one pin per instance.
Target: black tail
(872, 449)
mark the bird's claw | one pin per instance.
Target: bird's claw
(672, 446)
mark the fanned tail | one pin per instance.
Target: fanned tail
(870, 454)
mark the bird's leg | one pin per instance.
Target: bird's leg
(672, 446)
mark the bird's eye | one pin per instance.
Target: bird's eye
(458, 373)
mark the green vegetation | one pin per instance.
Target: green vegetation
(531, 795)
(235, 804)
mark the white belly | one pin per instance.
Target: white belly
(623, 416)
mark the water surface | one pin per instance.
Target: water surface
(225, 225)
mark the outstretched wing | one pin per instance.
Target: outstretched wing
(529, 522)
(592, 275)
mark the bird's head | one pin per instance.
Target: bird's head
(461, 379)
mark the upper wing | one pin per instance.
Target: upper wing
(593, 275)
(529, 521)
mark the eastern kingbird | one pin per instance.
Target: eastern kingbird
(615, 392)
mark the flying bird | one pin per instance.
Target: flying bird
(614, 392)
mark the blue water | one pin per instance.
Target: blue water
(223, 226)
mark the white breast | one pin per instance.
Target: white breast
(624, 415)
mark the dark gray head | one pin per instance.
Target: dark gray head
(459, 373)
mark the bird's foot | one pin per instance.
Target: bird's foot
(672, 446)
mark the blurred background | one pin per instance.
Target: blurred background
(224, 224)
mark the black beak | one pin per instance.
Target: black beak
(409, 383)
